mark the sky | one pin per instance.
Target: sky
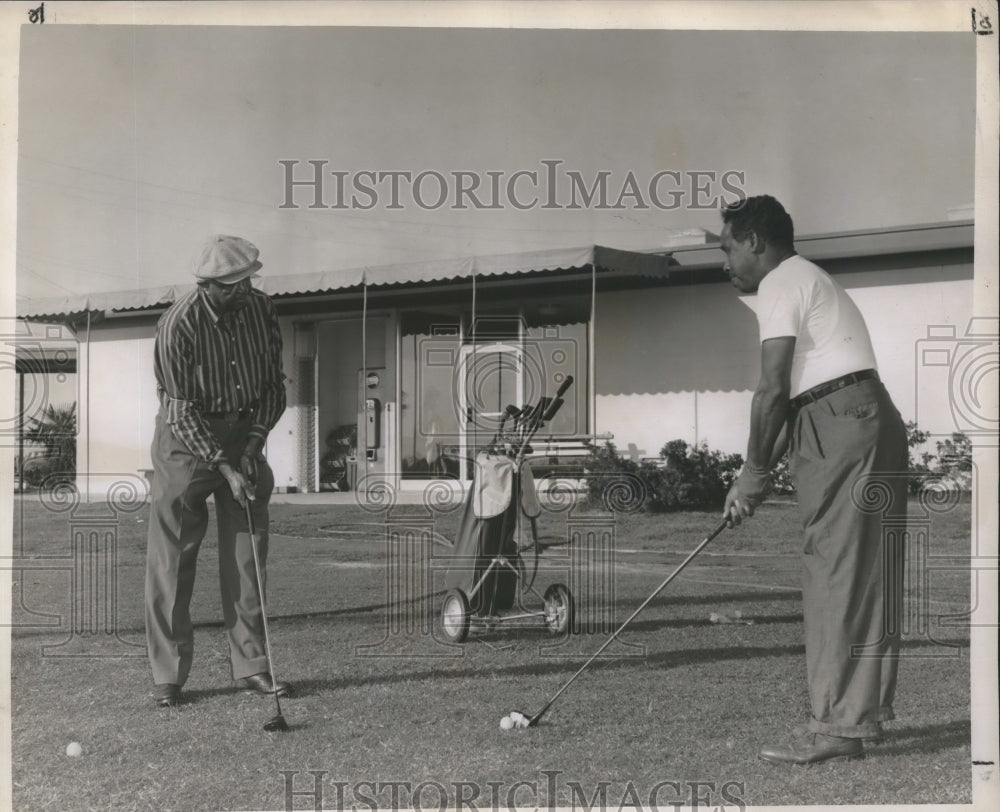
(137, 142)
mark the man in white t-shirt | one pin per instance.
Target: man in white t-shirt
(820, 396)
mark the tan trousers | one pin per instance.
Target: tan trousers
(177, 524)
(852, 570)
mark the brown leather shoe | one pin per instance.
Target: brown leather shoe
(813, 749)
(261, 683)
(166, 695)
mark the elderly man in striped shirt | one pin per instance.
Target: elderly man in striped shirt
(221, 390)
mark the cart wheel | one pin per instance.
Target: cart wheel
(558, 609)
(455, 616)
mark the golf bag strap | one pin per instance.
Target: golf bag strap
(530, 582)
(530, 506)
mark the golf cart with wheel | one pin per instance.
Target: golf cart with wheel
(487, 578)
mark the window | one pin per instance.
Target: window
(459, 376)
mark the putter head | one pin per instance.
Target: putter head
(276, 724)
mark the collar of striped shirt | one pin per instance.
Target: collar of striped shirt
(206, 302)
(219, 319)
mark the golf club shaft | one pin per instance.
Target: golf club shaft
(499, 431)
(263, 608)
(632, 617)
(526, 442)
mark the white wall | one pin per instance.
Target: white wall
(681, 363)
(899, 319)
(120, 392)
(117, 404)
(674, 363)
(282, 448)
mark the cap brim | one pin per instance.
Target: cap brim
(237, 276)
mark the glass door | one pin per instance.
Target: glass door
(490, 378)
(429, 417)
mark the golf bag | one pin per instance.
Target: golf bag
(501, 488)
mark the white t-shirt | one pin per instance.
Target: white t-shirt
(798, 298)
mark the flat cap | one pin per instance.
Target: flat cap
(227, 260)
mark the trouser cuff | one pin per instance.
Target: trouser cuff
(168, 678)
(247, 668)
(865, 730)
(885, 714)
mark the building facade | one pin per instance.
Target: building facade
(395, 375)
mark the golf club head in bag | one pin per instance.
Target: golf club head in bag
(510, 412)
(542, 413)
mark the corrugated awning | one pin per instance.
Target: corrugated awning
(659, 263)
(606, 261)
(100, 302)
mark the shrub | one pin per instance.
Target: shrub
(686, 477)
(606, 471)
(954, 455)
(47, 471)
(919, 461)
(951, 467)
(781, 477)
(55, 430)
(693, 477)
(954, 465)
(683, 478)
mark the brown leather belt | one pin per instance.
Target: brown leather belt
(828, 388)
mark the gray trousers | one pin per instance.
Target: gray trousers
(852, 577)
(177, 523)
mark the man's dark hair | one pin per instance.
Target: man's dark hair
(763, 215)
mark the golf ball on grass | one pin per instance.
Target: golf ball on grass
(73, 749)
(506, 723)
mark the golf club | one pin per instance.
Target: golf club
(522, 420)
(538, 415)
(276, 723)
(516, 414)
(541, 414)
(533, 720)
(510, 411)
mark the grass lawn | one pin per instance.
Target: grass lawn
(678, 711)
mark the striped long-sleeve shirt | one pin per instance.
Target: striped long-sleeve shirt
(206, 362)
